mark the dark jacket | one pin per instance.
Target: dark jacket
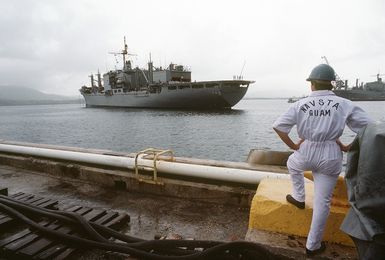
(365, 180)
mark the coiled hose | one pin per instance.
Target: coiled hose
(96, 237)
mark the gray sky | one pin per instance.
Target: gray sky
(53, 46)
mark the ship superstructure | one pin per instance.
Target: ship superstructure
(154, 87)
(370, 91)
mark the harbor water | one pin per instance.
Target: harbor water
(221, 135)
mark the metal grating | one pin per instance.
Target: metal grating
(20, 242)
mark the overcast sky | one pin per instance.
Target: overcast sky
(53, 46)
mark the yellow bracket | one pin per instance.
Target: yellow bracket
(156, 153)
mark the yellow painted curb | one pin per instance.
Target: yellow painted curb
(270, 211)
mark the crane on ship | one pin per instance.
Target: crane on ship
(339, 82)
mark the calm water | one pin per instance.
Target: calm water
(224, 135)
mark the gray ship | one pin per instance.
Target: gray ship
(160, 88)
(371, 91)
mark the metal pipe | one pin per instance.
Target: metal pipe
(181, 169)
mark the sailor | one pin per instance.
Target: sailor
(320, 119)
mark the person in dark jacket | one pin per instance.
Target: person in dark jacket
(365, 181)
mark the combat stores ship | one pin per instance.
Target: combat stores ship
(371, 91)
(161, 88)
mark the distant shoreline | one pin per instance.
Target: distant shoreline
(37, 102)
(249, 98)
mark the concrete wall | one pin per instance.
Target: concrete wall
(123, 179)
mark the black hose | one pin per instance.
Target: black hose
(135, 247)
(112, 233)
(68, 217)
(167, 243)
(89, 229)
(73, 240)
(57, 215)
(63, 216)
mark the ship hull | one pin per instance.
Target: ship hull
(361, 95)
(224, 95)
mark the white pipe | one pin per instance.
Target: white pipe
(184, 169)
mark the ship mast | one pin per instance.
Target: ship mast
(123, 52)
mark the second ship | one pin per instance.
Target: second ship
(370, 91)
(161, 88)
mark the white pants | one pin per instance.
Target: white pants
(325, 174)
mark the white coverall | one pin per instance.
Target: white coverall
(320, 120)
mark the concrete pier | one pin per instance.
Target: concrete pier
(150, 214)
(174, 207)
